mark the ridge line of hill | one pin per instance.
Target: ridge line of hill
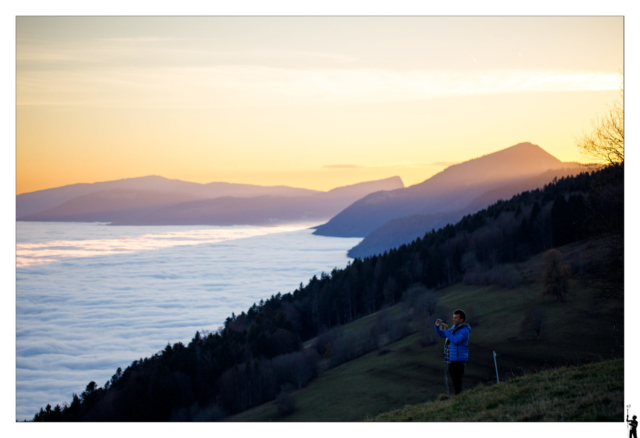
(446, 192)
(154, 201)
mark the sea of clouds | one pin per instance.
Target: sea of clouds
(91, 297)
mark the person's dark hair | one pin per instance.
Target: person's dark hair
(461, 313)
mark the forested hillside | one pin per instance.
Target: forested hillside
(259, 353)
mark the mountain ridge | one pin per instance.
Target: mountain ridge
(41, 200)
(407, 228)
(250, 205)
(448, 191)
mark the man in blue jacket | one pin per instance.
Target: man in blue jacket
(456, 350)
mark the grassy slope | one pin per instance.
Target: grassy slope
(593, 392)
(411, 373)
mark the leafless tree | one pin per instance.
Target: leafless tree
(605, 142)
(605, 145)
(556, 275)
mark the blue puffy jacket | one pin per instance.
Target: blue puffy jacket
(458, 342)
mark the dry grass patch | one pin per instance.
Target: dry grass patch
(593, 392)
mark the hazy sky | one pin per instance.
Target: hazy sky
(314, 102)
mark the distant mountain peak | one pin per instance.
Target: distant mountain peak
(525, 144)
(128, 200)
(519, 150)
(447, 191)
(391, 183)
(151, 178)
(520, 160)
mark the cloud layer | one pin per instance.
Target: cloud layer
(260, 86)
(80, 318)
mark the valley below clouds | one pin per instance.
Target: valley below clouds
(92, 298)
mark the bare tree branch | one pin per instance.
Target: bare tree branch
(605, 143)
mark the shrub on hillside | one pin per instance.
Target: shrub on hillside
(556, 275)
(421, 299)
(344, 349)
(503, 275)
(286, 402)
(423, 304)
(426, 333)
(399, 330)
(323, 343)
(209, 413)
(379, 331)
(296, 369)
(532, 324)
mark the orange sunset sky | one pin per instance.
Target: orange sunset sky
(313, 102)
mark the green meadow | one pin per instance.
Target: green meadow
(577, 332)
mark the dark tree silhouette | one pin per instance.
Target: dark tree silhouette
(556, 275)
(533, 323)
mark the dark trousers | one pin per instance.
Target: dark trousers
(633, 433)
(456, 370)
